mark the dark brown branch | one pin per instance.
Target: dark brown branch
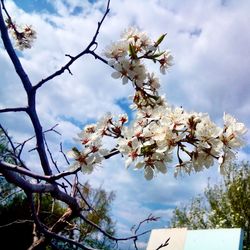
(107, 234)
(49, 178)
(49, 233)
(112, 153)
(88, 50)
(99, 58)
(55, 164)
(19, 181)
(166, 243)
(150, 218)
(10, 195)
(21, 145)
(24, 184)
(31, 95)
(21, 170)
(11, 52)
(16, 222)
(65, 157)
(20, 109)
(9, 140)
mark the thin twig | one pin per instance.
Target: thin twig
(109, 235)
(166, 243)
(46, 231)
(20, 109)
(16, 222)
(9, 195)
(55, 165)
(88, 50)
(9, 140)
(64, 155)
(148, 219)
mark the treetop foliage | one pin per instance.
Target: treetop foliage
(224, 205)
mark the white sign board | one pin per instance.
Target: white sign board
(214, 239)
(208, 239)
(159, 236)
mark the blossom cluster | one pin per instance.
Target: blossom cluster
(23, 36)
(158, 131)
(91, 138)
(126, 56)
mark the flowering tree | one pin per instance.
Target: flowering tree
(149, 142)
(220, 206)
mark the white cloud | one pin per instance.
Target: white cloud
(211, 46)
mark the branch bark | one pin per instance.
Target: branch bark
(31, 95)
(19, 176)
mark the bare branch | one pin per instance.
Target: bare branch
(65, 157)
(108, 235)
(49, 182)
(147, 220)
(166, 243)
(100, 24)
(136, 229)
(21, 170)
(57, 168)
(10, 141)
(31, 109)
(84, 199)
(48, 178)
(88, 50)
(12, 54)
(47, 232)
(16, 179)
(20, 109)
(113, 152)
(16, 222)
(96, 56)
(12, 194)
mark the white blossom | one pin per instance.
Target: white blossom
(233, 132)
(158, 130)
(166, 62)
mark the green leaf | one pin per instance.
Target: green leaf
(132, 51)
(75, 150)
(160, 39)
(159, 54)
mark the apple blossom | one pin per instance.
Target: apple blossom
(158, 130)
(23, 36)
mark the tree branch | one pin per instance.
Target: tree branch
(19, 181)
(17, 174)
(96, 56)
(31, 95)
(19, 109)
(166, 243)
(74, 58)
(16, 222)
(107, 234)
(48, 178)
(51, 188)
(49, 234)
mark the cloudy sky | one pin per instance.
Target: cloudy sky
(210, 42)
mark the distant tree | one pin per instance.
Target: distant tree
(100, 200)
(226, 205)
(16, 218)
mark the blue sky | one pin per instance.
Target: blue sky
(210, 42)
